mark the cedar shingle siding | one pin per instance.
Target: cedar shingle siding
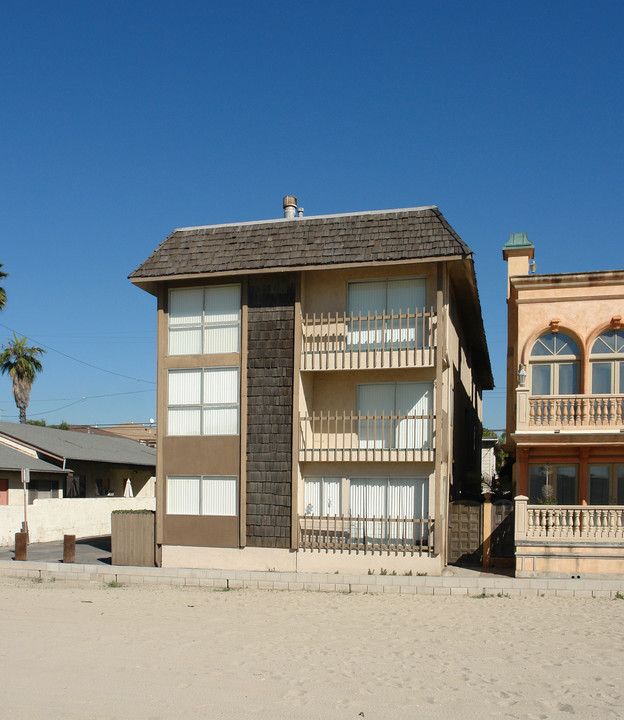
(385, 236)
(270, 371)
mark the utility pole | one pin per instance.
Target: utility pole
(25, 482)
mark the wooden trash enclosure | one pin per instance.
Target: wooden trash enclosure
(132, 538)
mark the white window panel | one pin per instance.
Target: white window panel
(218, 496)
(406, 295)
(184, 421)
(204, 320)
(222, 304)
(185, 341)
(183, 495)
(411, 399)
(186, 306)
(386, 297)
(220, 421)
(312, 496)
(322, 496)
(221, 339)
(185, 387)
(220, 385)
(202, 495)
(203, 401)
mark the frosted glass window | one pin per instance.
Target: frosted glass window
(204, 320)
(218, 496)
(202, 495)
(220, 400)
(322, 496)
(183, 495)
(382, 298)
(541, 380)
(388, 497)
(406, 400)
(568, 374)
(395, 498)
(203, 401)
(184, 413)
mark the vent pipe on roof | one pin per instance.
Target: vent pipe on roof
(290, 206)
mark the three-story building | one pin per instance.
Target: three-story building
(319, 390)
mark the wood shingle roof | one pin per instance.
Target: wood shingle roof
(369, 237)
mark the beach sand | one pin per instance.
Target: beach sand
(82, 652)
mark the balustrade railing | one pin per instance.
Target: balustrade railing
(335, 436)
(338, 341)
(361, 534)
(575, 522)
(576, 411)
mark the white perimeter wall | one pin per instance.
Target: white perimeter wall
(50, 519)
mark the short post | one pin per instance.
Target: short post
(487, 530)
(21, 546)
(522, 408)
(69, 548)
(520, 517)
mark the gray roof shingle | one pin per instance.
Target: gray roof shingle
(11, 459)
(388, 235)
(80, 446)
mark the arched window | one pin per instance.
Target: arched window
(607, 363)
(554, 365)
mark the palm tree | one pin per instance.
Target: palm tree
(22, 364)
(2, 292)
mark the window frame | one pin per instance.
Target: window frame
(554, 476)
(615, 481)
(205, 324)
(390, 334)
(554, 361)
(394, 430)
(200, 479)
(614, 358)
(324, 480)
(202, 405)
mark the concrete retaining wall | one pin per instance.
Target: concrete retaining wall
(50, 519)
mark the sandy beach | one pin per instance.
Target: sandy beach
(77, 652)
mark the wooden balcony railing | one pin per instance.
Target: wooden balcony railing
(338, 341)
(575, 523)
(334, 436)
(567, 411)
(374, 535)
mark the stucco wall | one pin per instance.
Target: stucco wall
(49, 520)
(326, 292)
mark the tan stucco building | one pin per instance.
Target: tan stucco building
(565, 403)
(319, 390)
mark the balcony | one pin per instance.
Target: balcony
(568, 540)
(389, 340)
(347, 437)
(588, 412)
(366, 535)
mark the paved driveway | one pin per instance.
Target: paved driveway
(89, 551)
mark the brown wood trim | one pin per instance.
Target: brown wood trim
(439, 539)
(161, 408)
(294, 533)
(242, 481)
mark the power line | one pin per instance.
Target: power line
(82, 362)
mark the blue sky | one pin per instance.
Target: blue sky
(122, 121)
